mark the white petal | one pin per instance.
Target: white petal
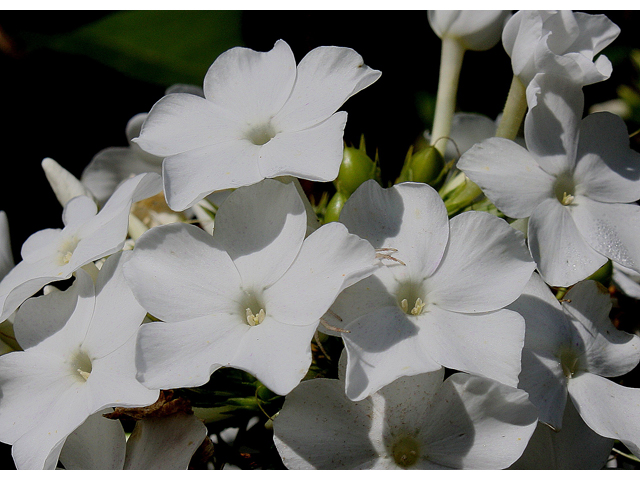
(543, 379)
(181, 122)
(609, 409)
(98, 444)
(314, 153)
(607, 169)
(575, 447)
(624, 279)
(509, 175)
(609, 352)
(6, 254)
(177, 273)
(488, 344)
(477, 423)
(381, 347)
(278, 354)
(562, 253)
(184, 354)
(329, 261)
(476, 30)
(251, 86)
(319, 427)
(327, 77)
(612, 229)
(63, 183)
(551, 126)
(520, 36)
(164, 443)
(191, 176)
(261, 227)
(79, 211)
(485, 267)
(409, 217)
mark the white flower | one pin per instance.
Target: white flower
(156, 443)
(474, 29)
(563, 43)
(54, 254)
(250, 296)
(569, 349)
(576, 183)
(416, 422)
(261, 118)
(78, 359)
(444, 308)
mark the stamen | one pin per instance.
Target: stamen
(417, 309)
(567, 199)
(83, 374)
(404, 305)
(254, 320)
(380, 254)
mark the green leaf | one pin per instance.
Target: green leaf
(163, 47)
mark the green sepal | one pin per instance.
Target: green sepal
(334, 207)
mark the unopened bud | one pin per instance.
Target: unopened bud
(334, 207)
(355, 169)
(424, 166)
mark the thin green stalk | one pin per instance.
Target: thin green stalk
(450, 65)
(514, 110)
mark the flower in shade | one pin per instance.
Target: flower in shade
(445, 306)
(577, 183)
(250, 296)
(261, 117)
(78, 359)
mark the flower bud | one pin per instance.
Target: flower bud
(355, 169)
(474, 29)
(425, 166)
(334, 207)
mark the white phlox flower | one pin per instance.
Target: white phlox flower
(250, 296)
(416, 422)
(444, 307)
(261, 117)
(563, 43)
(474, 29)
(55, 254)
(577, 183)
(156, 443)
(78, 359)
(569, 349)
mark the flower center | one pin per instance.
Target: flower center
(261, 134)
(66, 249)
(569, 361)
(81, 365)
(565, 189)
(410, 298)
(406, 452)
(253, 309)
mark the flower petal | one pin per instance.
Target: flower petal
(558, 246)
(477, 423)
(262, 228)
(98, 444)
(409, 217)
(314, 153)
(251, 86)
(607, 169)
(192, 175)
(311, 432)
(551, 126)
(177, 273)
(611, 229)
(509, 175)
(485, 267)
(381, 347)
(488, 344)
(327, 77)
(608, 408)
(609, 352)
(164, 443)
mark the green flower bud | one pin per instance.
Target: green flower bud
(424, 166)
(603, 274)
(334, 207)
(462, 196)
(355, 169)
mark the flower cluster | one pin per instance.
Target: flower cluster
(201, 285)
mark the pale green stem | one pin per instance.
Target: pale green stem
(450, 65)
(514, 110)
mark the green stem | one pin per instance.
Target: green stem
(514, 110)
(450, 65)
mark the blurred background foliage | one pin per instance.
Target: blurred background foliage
(72, 79)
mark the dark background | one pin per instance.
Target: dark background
(69, 107)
